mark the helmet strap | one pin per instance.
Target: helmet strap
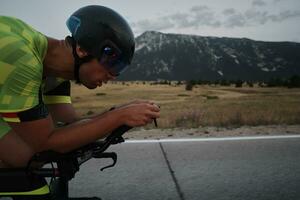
(77, 60)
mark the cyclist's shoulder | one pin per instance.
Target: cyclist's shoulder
(20, 36)
(14, 26)
(21, 57)
(12, 20)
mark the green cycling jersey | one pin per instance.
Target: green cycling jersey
(22, 86)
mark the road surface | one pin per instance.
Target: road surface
(260, 168)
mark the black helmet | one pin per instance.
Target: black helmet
(104, 34)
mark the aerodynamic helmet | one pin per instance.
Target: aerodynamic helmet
(104, 34)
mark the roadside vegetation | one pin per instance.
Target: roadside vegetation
(199, 104)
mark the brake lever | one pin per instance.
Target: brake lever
(111, 155)
(155, 122)
(118, 140)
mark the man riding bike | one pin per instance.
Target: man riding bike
(35, 90)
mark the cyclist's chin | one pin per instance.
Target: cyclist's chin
(90, 86)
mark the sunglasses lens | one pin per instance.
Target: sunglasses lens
(113, 61)
(108, 51)
(118, 68)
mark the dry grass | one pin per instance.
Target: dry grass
(204, 106)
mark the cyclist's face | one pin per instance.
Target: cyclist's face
(93, 74)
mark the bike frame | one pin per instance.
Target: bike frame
(68, 165)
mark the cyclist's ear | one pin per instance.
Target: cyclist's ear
(80, 51)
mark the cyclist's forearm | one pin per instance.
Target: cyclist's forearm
(83, 132)
(92, 116)
(64, 113)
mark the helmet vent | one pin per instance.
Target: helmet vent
(73, 24)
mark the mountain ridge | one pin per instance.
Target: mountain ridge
(170, 56)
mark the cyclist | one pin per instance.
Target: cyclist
(34, 83)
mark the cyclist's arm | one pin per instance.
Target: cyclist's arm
(63, 112)
(41, 134)
(58, 101)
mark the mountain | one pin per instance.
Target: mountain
(186, 57)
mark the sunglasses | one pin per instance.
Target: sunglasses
(112, 59)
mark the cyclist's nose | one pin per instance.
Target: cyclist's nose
(110, 76)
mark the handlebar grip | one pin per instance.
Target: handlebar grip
(119, 132)
(114, 137)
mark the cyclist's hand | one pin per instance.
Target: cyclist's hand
(140, 114)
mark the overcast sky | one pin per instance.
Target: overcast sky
(269, 20)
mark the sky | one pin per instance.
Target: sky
(267, 20)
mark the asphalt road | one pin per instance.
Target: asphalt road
(253, 168)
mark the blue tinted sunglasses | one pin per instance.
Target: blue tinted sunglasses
(112, 60)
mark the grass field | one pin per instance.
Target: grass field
(203, 106)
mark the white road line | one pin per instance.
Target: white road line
(215, 139)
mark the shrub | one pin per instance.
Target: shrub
(225, 82)
(179, 83)
(183, 95)
(189, 86)
(100, 94)
(250, 84)
(212, 97)
(89, 112)
(239, 83)
(294, 82)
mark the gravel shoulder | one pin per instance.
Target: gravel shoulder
(137, 134)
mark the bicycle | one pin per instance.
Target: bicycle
(30, 183)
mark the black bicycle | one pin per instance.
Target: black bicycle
(30, 183)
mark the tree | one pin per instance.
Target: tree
(224, 82)
(239, 83)
(249, 83)
(261, 84)
(294, 82)
(275, 82)
(189, 85)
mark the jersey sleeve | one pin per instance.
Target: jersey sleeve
(22, 105)
(59, 94)
(37, 112)
(21, 71)
(21, 95)
(20, 87)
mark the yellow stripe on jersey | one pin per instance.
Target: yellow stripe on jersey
(16, 119)
(40, 191)
(56, 99)
(10, 117)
